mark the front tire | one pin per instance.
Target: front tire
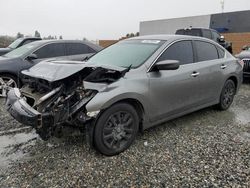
(227, 95)
(7, 82)
(116, 129)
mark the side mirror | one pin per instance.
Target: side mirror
(221, 39)
(32, 57)
(166, 65)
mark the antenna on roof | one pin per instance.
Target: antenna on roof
(222, 2)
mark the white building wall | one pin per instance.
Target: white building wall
(169, 26)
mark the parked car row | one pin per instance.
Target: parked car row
(18, 43)
(24, 57)
(244, 56)
(207, 33)
(130, 86)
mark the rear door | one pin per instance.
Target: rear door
(78, 51)
(210, 66)
(174, 91)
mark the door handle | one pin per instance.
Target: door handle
(195, 74)
(223, 66)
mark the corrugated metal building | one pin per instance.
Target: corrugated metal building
(235, 26)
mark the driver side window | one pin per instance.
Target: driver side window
(181, 51)
(51, 50)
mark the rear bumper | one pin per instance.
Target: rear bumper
(22, 111)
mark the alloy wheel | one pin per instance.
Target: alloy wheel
(228, 94)
(5, 84)
(118, 130)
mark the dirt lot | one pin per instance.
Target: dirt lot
(204, 149)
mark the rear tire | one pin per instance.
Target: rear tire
(227, 95)
(116, 129)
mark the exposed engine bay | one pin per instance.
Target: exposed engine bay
(54, 94)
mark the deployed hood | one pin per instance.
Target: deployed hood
(53, 71)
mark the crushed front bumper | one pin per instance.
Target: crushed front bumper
(22, 111)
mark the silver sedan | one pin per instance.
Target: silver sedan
(130, 86)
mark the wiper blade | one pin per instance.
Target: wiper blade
(87, 57)
(126, 70)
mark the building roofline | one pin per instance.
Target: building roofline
(203, 15)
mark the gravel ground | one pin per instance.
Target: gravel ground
(207, 148)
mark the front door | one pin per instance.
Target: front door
(174, 91)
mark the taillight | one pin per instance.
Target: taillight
(241, 62)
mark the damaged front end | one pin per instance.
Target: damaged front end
(54, 94)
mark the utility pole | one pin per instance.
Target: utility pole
(222, 2)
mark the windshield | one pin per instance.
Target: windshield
(14, 44)
(22, 50)
(127, 53)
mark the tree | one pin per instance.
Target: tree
(19, 35)
(132, 35)
(5, 41)
(128, 35)
(48, 37)
(37, 34)
(60, 37)
(137, 34)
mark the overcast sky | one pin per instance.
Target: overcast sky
(99, 19)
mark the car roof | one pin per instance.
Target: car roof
(190, 28)
(58, 41)
(43, 42)
(166, 37)
(33, 38)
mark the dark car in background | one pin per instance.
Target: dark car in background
(12, 63)
(207, 33)
(244, 57)
(18, 43)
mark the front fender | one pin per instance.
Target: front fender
(104, 100)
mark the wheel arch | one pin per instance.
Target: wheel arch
(137, 105)
(234, 79)
(137, 101)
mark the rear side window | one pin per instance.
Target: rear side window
(51, 50)
(221, 52)
(181, 51)
(78, 48)
(215, 36)
(191, 32)
(27, 42)
(207, 34)
(180, 32)
(206, 51)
